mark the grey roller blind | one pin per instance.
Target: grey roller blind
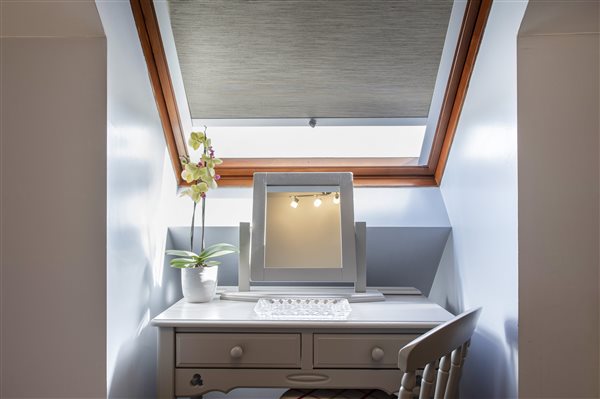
(311, 58)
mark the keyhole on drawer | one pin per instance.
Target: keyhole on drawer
(196, 380)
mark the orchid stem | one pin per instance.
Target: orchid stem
(203, 211)
(192, 230)
(204, 151)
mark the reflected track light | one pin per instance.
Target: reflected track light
(336, 198)
(294, 203)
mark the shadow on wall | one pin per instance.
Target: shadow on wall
(140, 283)
(486, 363)
(446, 289)
(135, 365)
(492, 359)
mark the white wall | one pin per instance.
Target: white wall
(558, 73)
(140, 179)
(380, 207)
(407, 229)
(53, 210)
(142, 202)
(479, 188)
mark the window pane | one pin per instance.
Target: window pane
(320, 142)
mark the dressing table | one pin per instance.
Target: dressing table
(226, 343)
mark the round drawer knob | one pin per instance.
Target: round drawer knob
(236, 352)
(377, 354)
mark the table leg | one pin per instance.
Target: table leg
(166, 363)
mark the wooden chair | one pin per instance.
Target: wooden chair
(441, 352)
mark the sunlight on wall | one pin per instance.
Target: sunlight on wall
(224, 207)
(145, 320)
(161, 221)
(491, 142)
(136, 209)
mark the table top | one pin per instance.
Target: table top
(396, 312)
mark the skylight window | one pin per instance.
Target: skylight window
(318, 142)
(406, 67)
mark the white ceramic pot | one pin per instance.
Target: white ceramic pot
(199, 284)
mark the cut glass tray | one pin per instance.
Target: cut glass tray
(303, 308)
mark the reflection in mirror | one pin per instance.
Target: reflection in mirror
(303, 228)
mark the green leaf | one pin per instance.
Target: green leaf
(218, 250)
(212, 263)
(182, 266)
(176, 252)
(220, 253)
(183, 261)
(218, 247)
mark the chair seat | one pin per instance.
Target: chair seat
(336, 394)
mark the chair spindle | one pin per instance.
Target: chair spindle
(428, 381)
(442, 377)
(454, 374)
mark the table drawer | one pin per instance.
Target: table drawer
(237, 350)
(358, 350)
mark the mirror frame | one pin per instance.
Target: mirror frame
(258, 271)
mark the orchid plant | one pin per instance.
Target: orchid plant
(202, 177)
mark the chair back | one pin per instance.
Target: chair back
(441, 352)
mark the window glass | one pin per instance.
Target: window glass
(318, 142)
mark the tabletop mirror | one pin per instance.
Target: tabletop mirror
(303, 227)
(303, 232)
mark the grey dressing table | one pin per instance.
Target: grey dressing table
(222, 345)
(225, 344)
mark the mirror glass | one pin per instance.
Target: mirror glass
(303, 227)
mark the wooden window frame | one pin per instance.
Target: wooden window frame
(367, 171)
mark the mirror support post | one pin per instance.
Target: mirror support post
(360, 285)
(244, 258)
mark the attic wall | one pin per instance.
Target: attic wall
(479, 188)
(559, 130)
(407, 229)
(139, 180)
(53, 201)
(396, 256)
